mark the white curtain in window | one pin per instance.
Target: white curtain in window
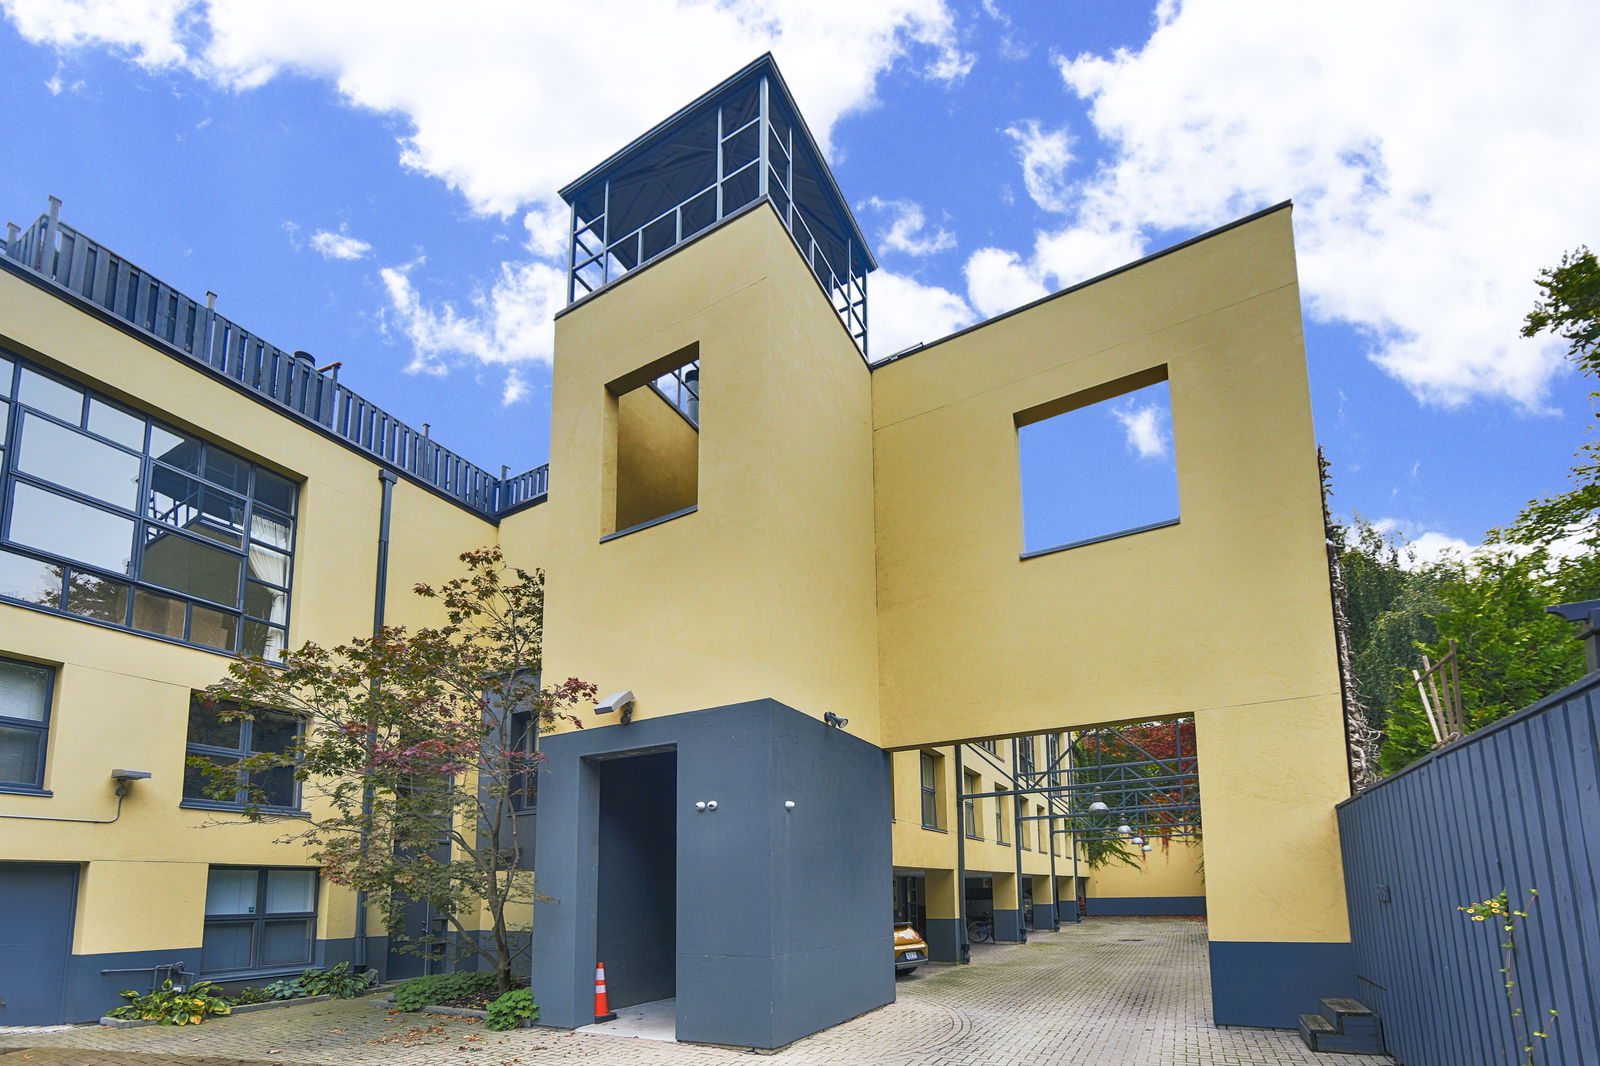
(270, 566)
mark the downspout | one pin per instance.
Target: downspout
(387, 479)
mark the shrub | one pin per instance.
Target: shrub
(250, 994)
(437, 988)
(337, 982)
(512, 1009)
(288, 988)
(171, 1007)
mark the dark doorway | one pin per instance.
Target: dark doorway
(637, 898)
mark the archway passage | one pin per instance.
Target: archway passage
(1033, 828)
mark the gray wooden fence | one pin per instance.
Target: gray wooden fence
(1514, 806)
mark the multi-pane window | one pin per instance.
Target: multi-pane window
(1024, 754)
(114, 517)
(258, 919)
(969, 807)
(991, 746)
(223, 741)
(1023, 806)
(1000, 817)
(24, 722)
(930, 790)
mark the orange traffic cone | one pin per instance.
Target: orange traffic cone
(602, 1008)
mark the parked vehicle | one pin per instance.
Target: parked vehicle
(910, 950)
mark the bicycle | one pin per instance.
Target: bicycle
(980, 930)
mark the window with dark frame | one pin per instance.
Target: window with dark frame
(25, 690)
(930, 790)
(969, 807)
(1000, 817)
(258, 919)
(115, 518)
(223, 741)
(525, 781)
(1022, 830)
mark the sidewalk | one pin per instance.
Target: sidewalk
(1111, 992)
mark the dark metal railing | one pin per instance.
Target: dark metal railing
(61, 255)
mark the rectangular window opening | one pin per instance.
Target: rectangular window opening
(969, 807)
(654, 473)
(1098, 464)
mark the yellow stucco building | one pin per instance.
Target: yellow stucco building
(743, 522)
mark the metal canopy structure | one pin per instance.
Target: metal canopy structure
(739, 144)
(1106, 788)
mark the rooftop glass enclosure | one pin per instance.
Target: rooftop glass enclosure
(742, 142)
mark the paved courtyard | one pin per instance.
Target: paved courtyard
(1111, 992)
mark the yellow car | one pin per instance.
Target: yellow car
(910, 950)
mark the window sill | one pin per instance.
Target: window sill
(24, 790)
(1098, 540)
(935, 829)
(230, 976)
(239, 808)
(653, 522)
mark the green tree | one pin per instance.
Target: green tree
(1569, 307)
(414, 738)
(1511, 651)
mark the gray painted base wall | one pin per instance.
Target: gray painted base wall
(1044, 916)
(1142, 906)
(783, 917)
(1269, 985)
(944, 939)
(1008, 926)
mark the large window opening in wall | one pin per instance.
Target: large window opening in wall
(113, 517)
(637, 900)
(258, 920)
(1098, 464)
(654, 462)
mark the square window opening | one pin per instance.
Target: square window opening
(1098, 464)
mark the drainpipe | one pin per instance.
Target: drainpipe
(387, 479)
(963, 946)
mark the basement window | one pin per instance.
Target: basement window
(654, 468)
(1098, 464)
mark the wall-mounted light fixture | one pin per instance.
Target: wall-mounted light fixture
(834, 720)
(621, 702)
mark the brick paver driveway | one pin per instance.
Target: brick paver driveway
(1111, 992)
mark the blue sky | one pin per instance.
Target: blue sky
(374, 183)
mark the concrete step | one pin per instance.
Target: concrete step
(1319, 1034)
(1351, 1017)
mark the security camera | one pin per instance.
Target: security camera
(621, 702)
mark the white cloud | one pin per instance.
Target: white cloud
(1045, 156)
(1144, 426)
(507, 325)
(997, 281)
(905, 311)
(1437, 162)
(1420, 546)
(339, 245)
(562, 111)
(908, 230)
(506, 102)
(150, 32)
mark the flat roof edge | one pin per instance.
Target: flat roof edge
(1113, 272)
